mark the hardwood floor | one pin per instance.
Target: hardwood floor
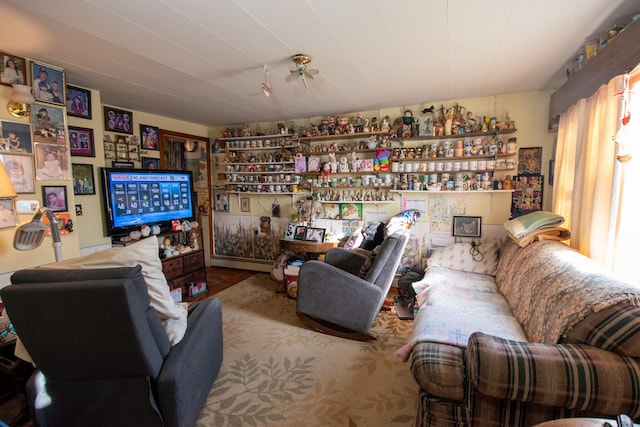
(219, 278)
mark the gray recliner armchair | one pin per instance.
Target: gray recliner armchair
(333, 299)
(103, 357)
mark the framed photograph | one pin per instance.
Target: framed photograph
(530, 161)
(52, 162)
(14, 70)
(81, 142)
(78, 102)
(314, 234)
(301, 231)
(467, 226)
(116, 120)
(54, 197)
(48, 124)
(149, 137)
(83, 182)
(20, 171)
(150, 163)
(16, 137)
(245, 204)
(8, 213)
(48, 83)
(290, 231)
(351, 210)
(122, 165)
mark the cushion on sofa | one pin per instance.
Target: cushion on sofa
(145, 254)
(460, 256)
(614, 329)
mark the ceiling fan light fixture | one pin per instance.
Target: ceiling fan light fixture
(301, 71)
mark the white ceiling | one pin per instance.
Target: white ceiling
(202, 61)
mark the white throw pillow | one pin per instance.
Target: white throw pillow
(145, 254)
(459, 257)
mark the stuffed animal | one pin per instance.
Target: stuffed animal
(381, 164)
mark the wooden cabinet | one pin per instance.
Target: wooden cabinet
(184, 269)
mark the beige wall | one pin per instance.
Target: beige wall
(88, 227)
(529, 110)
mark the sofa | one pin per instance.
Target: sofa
(507, 335)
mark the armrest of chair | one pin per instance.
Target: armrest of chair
(346, 260)
(575, 376)
(193, 364)
(336, 296)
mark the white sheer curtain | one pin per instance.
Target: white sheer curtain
(592, 189)
(627, 223)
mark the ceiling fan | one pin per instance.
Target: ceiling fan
(266, 85)
(301, 71)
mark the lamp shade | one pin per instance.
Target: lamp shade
(6, 187)
(22, 93)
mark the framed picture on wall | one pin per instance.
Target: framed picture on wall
(150, 163)
(8, 213)
(14, 70)
(245, 204)
(54, 197)
(116, 120)
(48, 124)
(20, 171)
(149, 137)
(83, 182)
(16, 137)
(52, 162)
(78, 102)
(467, 226)
(48, 83)
(81, 142)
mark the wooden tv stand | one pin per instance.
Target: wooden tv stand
(180, 270)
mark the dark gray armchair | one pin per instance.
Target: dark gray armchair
(102, 355)
(333, 299)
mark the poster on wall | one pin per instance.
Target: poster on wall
(530, 161)
(527, 194)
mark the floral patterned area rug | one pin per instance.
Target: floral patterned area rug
(278, 372)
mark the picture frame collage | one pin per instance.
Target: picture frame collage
(37, 150)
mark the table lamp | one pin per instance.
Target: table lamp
(6, 187)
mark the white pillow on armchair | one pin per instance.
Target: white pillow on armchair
(145, 254)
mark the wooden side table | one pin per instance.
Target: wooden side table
(311, 249)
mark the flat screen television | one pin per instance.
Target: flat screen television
(136, 197)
